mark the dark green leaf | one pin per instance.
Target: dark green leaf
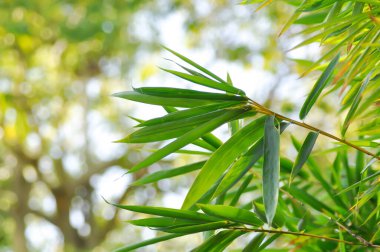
(318, 87)
(159, 175)
(232, 213)
(155, 100)
(304, 153)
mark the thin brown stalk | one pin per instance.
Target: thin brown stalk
(274, 231)
(261, 109)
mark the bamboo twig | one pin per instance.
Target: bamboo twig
(274, 231)
(261, 109)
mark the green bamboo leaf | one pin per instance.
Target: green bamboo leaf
(291, 20)
(198, 228)
(169, 92)
(231, 213)
(206, 82)
(234, 125)
(318, 87)
(159, 175)
(271, 168)
(192, 63)
(357, 184)
(227, 241)
(188, 138)
(155, 100)
(309, 199)
(210, 243)
(303, 154)
(254, 244)
(219, 241)
(222, 158)
(168, 212)
(243, 164)
(241, 190)
(268, 242)
(148, 242)
(355, 104)
(169, 130)
(162, 222)
(182, 114)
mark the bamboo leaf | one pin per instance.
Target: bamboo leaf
(155, 100)
(148, 242)
(188, 138)
(355, 104)
(254, 244)
(169, 212)
(318, 87)
(206, 82)
(192, 63)
(243, 164)
(230, 213)
(182, 114)
(159, 175)
(169, 130)
(219, 241)
(303, 154)
(271, 168)
(169, 92)
(162, 222)
(199, 228)
(222, 159)
(241, 189)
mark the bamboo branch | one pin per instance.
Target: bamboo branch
(261, 109)
(274, 231)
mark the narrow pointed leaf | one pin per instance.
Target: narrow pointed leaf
(231, 213)
(241, 190)
(155, 100)
(148, 242)
(271, 168)
(206, 82)
(318, 87)
(159, 175)
(192, 63)
(219, 241)
(199, 228)
(243, 164)
(169, 92)
(169, 130)
(169, 212)
(355, 104)
(304, 153)
(162, 222)
(182, 114)
(222, 158)
(254, 244)
(188, 138)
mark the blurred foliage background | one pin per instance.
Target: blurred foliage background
(60, 62)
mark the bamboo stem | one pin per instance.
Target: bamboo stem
(274, 231)
(261, 109)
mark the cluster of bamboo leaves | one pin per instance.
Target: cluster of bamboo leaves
(307, 204)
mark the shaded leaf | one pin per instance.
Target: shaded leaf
(304, 153)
